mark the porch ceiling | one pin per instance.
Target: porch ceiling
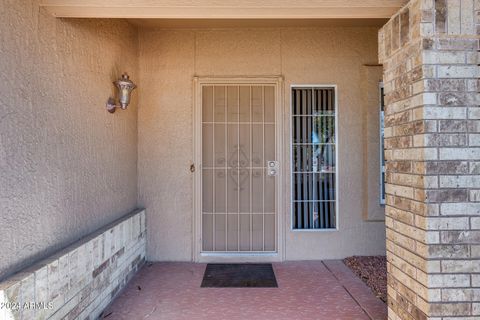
(224, 9)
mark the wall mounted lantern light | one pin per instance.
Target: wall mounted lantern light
(125, 87)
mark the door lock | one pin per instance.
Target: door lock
(272, 168)
(192, 168)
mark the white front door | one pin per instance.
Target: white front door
(238, 171)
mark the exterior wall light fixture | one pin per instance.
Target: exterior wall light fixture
(125, 87)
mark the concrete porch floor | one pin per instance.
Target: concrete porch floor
(306, 290)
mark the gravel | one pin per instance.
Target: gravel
(373, 271)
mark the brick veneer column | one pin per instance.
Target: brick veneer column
(432, 138)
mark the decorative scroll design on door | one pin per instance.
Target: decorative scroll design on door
(241, 166)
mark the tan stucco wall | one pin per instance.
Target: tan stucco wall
(371, 156)
(67, 167)
(169, 59)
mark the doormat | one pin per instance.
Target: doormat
(243, 275)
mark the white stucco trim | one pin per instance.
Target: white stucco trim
(198, 256)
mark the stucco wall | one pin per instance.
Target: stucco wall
(170, 58)
(67, 167)
(371, 75)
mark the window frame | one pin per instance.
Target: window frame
(337, 160)
(381, 120)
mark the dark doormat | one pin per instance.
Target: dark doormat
(239, 276)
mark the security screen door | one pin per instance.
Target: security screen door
(238, 168)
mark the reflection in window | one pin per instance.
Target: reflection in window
(314, 159)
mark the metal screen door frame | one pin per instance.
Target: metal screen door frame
(198, 255)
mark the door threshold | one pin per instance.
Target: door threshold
(240, 257)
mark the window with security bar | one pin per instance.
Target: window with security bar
(382, 136)
(314, 158)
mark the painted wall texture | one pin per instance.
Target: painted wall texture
(67, 167)
(169, 59)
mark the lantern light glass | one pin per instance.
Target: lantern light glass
(125, 87)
